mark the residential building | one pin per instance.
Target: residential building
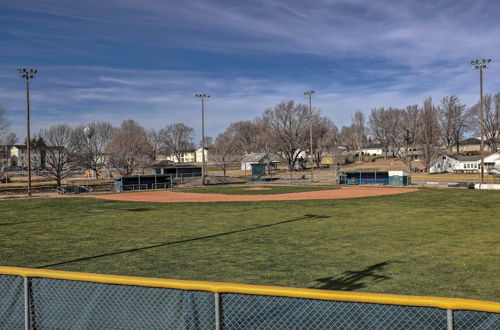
(373, 149)
(187, 156)
(19, 156)
(464, 164)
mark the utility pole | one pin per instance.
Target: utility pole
(28, 74)
(481, 65)
(309, 94)
(202, 97)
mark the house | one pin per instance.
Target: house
(464, 164)
(187, 156)
(373, 149)
(467, 164)
(470, 144)
(39, 155)
(492, 163)
(258, 158)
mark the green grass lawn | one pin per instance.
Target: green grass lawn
(247, 189)
(430, 242)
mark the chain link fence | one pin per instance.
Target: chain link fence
(49, 303)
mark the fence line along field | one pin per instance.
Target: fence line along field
(428, 242)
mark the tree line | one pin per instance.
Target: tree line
(282, 130)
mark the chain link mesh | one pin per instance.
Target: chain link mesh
(11, 302)
(475, 320)
(265, 312)
(64, 304)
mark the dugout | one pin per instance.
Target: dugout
(177, 170)
(364, 177)
(393, 178)
(143, 182)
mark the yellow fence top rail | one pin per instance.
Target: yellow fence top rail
(376, 298)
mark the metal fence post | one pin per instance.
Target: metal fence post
(217, 311)
(449, 318)
(26, 304)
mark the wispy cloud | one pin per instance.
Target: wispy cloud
(116, 59)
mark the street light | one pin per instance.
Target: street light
(28, 74)
(309, 94)
(481, 65)
(202, 97)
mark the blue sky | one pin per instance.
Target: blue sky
(145, 60)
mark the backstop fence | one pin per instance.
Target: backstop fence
(48, 299)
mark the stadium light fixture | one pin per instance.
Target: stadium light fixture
(481, 65)
(309, 94)
(28, 74)
(202, 98)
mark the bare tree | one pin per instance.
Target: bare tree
(492, 121)
(177, 138)
(129, 148)
(225, 151)
(6, 143)
(324, 131)
(91, 141)
(453, 119)
(358, 130)
(403, 136)
(209, 141)
(383, 124)
(4, 124)
(56, 149)
(288, 127)
(347, 137)
(155, 140)
(246, 134)
(428, 133)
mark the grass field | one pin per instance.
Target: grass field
(255, 190)
(430, 242)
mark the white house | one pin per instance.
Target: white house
(19, 155)
(187, 156)
(465, 164)
(492, 163)
(373, 149)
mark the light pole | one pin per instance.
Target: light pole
(481, 65)
(28, 74)
(309, 94)
(202, 97)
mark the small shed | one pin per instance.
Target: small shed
(258, 158)
(399, 178)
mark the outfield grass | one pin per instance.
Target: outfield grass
(254, 190)
(430, 242)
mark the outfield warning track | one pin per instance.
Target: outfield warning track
(187, 197)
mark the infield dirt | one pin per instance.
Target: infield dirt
(183, 197)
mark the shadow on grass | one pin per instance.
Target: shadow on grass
(140, 209)
(305, 217)
(351, 280)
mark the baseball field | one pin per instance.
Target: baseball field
(390, 240)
